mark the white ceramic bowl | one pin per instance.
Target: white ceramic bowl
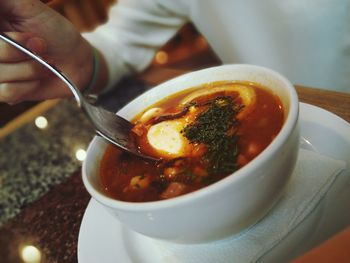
(225, 207)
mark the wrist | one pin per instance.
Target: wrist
(92, 71)
(91, 85)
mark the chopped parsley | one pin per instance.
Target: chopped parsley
(214, 127)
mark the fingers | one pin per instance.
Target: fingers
(10, 54)
(86, 14)
(35, 90)
(19, 74)
(36, 44)
(15, 92)
(73, 12)
(22, 71)
(100, 9)
(15, 66)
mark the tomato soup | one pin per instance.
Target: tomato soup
(200, 135)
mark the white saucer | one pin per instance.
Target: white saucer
(103, 239)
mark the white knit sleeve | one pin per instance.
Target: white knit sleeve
(133, 33)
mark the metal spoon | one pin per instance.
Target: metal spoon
(108, 125)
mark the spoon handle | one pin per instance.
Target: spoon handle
(53, 69)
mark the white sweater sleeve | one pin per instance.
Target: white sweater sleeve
(133, 33)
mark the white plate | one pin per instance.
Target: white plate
(103, 239)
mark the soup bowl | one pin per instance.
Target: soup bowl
(227, 206)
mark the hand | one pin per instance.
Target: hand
(50, 35)
(84, 14)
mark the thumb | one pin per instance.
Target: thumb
(32, 42)
(37, 45)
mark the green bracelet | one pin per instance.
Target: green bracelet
(95, 71)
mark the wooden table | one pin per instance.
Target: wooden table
(51, 223)
(336, 102)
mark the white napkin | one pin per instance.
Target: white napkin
(311, 179)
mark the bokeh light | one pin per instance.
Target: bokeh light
(161, 57)
(30, 254)
(41, 122)
(80, 154)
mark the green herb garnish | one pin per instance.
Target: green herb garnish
(213, 127)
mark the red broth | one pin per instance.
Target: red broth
(129, 178)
